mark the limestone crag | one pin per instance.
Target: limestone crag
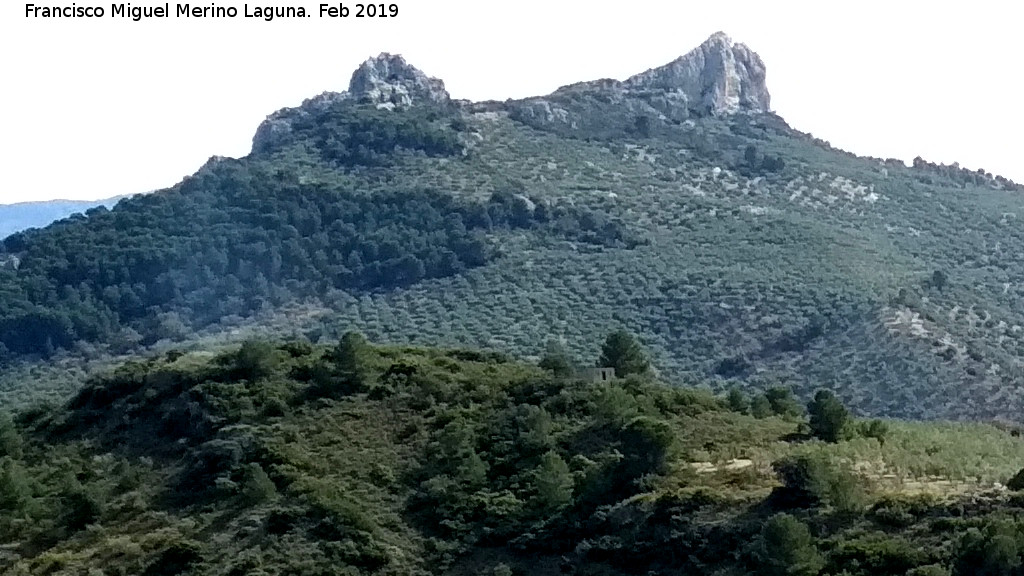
(720, 76)
(389, 81)
(278, 125)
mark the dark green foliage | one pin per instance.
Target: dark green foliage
(510, 221)
(468, 461)
(738, 401)
(15, 487)
(1017, 482)
(344, 371)
(180, 558)
(79, 508)
(642, 124)
(828, 418)
(783, 403)
(991, 551)
(760, 406)
(10, 438)
(902, 511)
(876, 429)
(623, 352)
(810, 481)
(553, 482)
(876, 554)
(233, 240)
(256, 359)
(257, 487)
(786, 548)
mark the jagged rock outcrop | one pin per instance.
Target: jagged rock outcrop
(387, 81)
(720, 76)
(278, 125)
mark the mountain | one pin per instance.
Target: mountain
(18, 217)
(289, 458)
(675, 204)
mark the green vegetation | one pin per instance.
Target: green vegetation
(240, 237)
(348, 458)
(829, 419)
(741, 252)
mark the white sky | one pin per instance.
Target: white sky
(99, 108)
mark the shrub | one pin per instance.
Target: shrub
(877, 554)
(810, 481)
(903, 510)
(178, 559)
(876, 429)
(786, 548)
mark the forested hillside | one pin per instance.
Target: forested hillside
(742, 252)
(238, 237)
(345, 458)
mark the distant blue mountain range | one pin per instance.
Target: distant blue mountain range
(18, 217)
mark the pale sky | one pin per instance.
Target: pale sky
(102, 107)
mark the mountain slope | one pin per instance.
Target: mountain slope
(18, 217)
(742, 251)
(289, 458)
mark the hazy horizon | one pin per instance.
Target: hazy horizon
(132, 109)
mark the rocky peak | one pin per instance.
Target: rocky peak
(389, 82)
(719, 75)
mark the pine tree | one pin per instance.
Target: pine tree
(349, 359)
(553, 482)
(622, 352)
(829, 419)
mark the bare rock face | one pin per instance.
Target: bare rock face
(720, 76)
(390, 82)
(278, 126)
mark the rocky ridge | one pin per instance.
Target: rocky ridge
(719, 77)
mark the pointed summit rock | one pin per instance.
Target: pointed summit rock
(390, 82)
(719, 75)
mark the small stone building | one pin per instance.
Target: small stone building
(599, 374)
